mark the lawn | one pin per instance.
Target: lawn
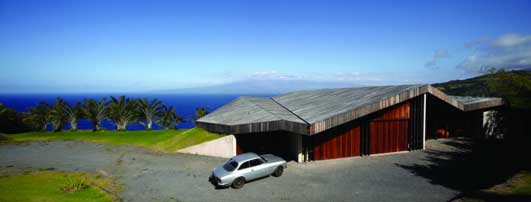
(159, 140)
(518, 188)
(57, 187)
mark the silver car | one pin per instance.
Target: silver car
(246, 167)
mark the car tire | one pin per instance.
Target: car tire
(278, 172)
(238, 183)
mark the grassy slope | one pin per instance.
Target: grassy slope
(476, 86)
(160, 140)
(46, 186)
(517, 188)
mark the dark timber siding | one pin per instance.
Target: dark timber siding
(416, 123)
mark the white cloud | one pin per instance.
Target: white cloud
(274, 75)
(512, 40)
(437, 56)
(353, 77)
(509, 51)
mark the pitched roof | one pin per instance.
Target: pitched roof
(245, 110)
(312, 111)
(316, 105)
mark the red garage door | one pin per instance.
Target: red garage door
(338, 142)
(389, 131)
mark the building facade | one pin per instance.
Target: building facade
(324, 124)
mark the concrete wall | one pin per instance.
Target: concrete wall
(224, 147)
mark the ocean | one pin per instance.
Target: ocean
(184, 104)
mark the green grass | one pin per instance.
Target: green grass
(520, 184)
(49, 186)
(159, 140)
(518, 188)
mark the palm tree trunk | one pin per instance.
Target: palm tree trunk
(122, 125)
(95, 126)
(149, 123)
(73, 124)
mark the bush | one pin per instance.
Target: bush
(74, 184)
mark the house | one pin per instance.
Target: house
(336, 123)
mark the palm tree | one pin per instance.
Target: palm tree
(168, 117)
(95, 112)
(200, 112)
(121, 111)
(73, 114)
(148, 111)
(3, 109)
(38, 117)
(58, 115)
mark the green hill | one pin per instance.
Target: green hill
(514, 86)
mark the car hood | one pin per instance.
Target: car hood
(220, 172)
(272, 158)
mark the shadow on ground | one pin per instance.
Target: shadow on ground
(473, 165)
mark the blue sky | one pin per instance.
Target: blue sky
(124, 46)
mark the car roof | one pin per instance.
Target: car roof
(244, 157)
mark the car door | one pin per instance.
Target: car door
(246, 171)
(258, 168)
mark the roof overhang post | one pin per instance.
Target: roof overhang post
(424, 121)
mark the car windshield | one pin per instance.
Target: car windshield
(230, 165)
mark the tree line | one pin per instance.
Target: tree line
(119, 110)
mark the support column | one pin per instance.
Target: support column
(297, 150)
(424, 121)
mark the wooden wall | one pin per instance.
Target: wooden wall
(389, 130)
(382, 132)
(416, 123)
(339, 142)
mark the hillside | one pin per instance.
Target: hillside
(514, 86)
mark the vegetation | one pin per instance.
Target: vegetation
(200, 112)
(121, 111)
(57, 115)
(95, 112)
(159, 140)
(185, 139)
(73, 113)
(11, 121)
(169, 118)
(56, 186)
(149, 111)
(518, 188)
(513, 86)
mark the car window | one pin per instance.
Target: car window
(230, 166)
(256, 162)
(244, 165)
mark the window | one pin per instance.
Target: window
(244, 165)
(230, 166)
(256, 162)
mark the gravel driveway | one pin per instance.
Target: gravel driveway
(149, 176)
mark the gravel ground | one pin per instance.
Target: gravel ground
(149, 176)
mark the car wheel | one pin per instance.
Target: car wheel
(278, 172)
(238, 183)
